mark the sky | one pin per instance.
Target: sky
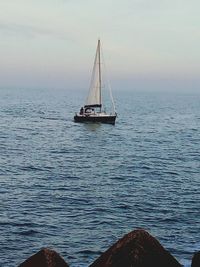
(146, 43)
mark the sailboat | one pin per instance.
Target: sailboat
(93, 110)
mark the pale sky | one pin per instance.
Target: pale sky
(51, 43)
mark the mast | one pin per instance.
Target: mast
(99, 56)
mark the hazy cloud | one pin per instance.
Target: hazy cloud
(28, 31)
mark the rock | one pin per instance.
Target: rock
(196, 259)
(44, 258)
(136, 249)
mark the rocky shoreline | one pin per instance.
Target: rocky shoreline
(136, 249)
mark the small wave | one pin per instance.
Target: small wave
(28, 233)
(3, 136)
(172, 173)
(50, 118)
(61, 151)
(89, 252)
(24, 128)
(123, 206)
(31, 168)
(146, 168)
(118, 178)
(17, 224)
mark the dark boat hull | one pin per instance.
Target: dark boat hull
(95, 119)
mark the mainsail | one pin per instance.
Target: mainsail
(94, 96)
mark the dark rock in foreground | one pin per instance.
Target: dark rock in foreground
(196, 259)
(45, 258)
(136, 249)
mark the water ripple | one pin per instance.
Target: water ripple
(77, 188)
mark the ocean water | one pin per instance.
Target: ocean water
(78, 188)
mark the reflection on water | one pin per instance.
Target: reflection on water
(92, 126)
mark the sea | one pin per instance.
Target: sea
(77, 188)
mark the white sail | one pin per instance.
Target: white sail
(94, 96)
